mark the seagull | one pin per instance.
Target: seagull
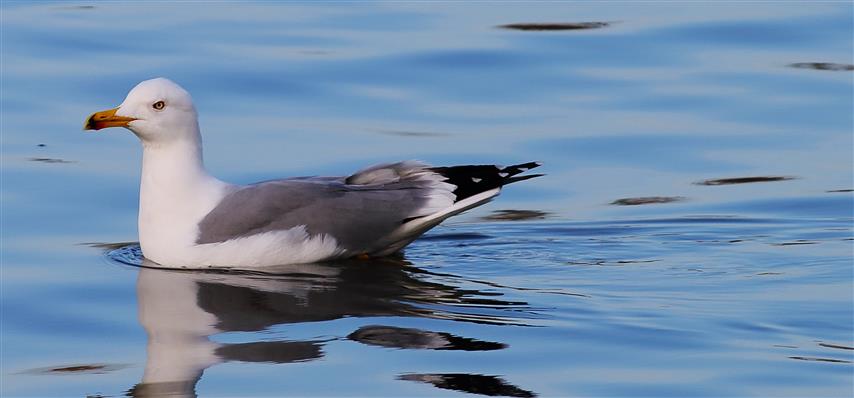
(190, 219)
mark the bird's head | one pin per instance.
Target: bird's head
(156, 110)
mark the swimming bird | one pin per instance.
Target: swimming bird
(190, 219)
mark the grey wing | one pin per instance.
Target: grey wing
(358, 211)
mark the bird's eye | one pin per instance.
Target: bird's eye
(159, 105)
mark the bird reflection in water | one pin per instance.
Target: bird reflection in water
(180, 310)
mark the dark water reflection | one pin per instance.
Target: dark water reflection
(823, 66)
(470, 383)
(516, 215)
(94, 368)
(647, 200)
(743, 180)
(50, 160)
(181, 310)
(555, 26)
(395, 337)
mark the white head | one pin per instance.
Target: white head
(156, 110)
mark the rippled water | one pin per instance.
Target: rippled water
(693, 236)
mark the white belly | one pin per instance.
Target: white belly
(292, 246)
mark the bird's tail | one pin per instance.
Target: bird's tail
(471, 180)
(474, 185)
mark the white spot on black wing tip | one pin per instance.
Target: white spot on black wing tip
(476, 180)
(503, 174)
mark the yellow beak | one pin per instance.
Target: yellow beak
(107, 118)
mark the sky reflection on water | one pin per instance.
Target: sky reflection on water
(732, 290)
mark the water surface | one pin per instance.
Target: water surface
(693, 236)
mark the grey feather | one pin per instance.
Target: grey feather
(360, 211)
(357, 211)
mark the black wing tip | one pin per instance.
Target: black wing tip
(528, 165)
(473, 179)
(523, 166)
(521, 178)
(507, 173)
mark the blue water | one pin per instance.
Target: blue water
(725, 290)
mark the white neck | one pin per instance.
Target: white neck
(175, 194)
(174, 165)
